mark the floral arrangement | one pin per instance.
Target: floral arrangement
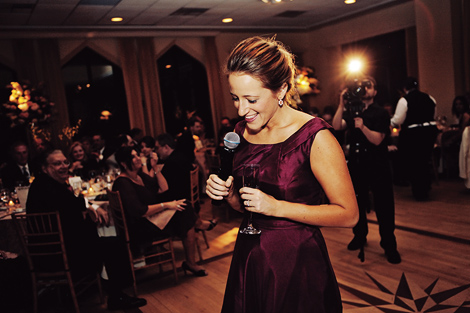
(26, 105)
(305, 82)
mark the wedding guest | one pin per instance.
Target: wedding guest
(123, 140)
(177, 170)
(87, 145)
(86, 252)
(148, 208)
(461, 112)
(100, 150)
(18, 170)
(147, 145)
(286, 267)
(80, 164)
(136, 134)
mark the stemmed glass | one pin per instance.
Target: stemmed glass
(250, 179)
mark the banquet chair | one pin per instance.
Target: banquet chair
(42, 238)
(158, 253)
(193, 199)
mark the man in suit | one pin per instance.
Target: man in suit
(18, 171)
(86, 252)
(100, 150)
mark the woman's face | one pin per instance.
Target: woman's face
(144, 149)
(77, 153)
(459, 107)
(136, 161)
(253, 102)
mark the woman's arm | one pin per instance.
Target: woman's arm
(177, 205)
(329, 167)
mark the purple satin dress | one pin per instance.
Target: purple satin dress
(286, 268)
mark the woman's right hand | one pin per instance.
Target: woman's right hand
(217, 188)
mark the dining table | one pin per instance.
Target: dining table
(9, 240)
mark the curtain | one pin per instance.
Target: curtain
(141, 83)
(214, 81)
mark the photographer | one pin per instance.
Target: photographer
(368, 124)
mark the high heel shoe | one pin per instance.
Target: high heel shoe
(213, 223)
(199, 273)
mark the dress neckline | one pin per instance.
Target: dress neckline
(277, 143)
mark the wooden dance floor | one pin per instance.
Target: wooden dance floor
(434, 276)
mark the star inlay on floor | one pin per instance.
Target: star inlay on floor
(437, 296)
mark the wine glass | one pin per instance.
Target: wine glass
(250, 179)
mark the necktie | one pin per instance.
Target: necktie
(25, 172)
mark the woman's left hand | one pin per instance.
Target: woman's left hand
(153, 159)
(256, 201)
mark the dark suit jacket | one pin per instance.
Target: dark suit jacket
(11, 174)
(80, 235)
(86, 251)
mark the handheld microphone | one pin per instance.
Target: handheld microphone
(231, 142)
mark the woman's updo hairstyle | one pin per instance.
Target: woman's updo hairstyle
(267, 60)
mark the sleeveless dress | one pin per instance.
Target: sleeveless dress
(286, 268)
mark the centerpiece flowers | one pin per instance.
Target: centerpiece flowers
(27, 105)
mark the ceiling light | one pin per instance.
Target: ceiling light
(349, 1)
(272, 1)
(227, 20)
(116, 19)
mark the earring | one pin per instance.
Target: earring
(281, 103)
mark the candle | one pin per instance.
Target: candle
(11, 203)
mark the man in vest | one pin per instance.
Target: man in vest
(415, 114)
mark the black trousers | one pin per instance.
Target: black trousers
(372, 176)
(415, 147)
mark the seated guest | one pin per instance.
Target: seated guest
(147, 145)
(18, 170)
(86, 252)
(177, 170)
(136, 134)
(81, 165)
(145, 198)
(123, 140)
(100, 150)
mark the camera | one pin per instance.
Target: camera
(355, 91)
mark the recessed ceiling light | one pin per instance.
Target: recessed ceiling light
(116, 19)
(227, 20)
(272, 1)
(349, 1)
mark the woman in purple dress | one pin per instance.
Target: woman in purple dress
(286, 267)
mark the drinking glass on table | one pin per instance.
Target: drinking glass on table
(250, 179)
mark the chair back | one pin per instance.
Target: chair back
(43, 242)
(42, 239)
(194, 185)
(118, 215)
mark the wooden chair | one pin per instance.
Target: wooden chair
(194, 198)
(160, 251)
(41, 236)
